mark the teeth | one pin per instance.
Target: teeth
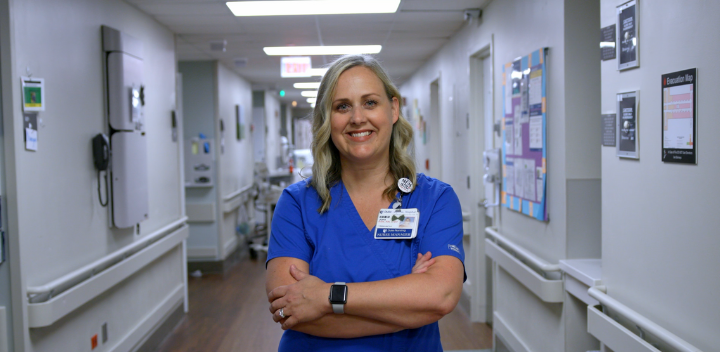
(361, 134)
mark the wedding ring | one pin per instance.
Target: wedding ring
(282, 315)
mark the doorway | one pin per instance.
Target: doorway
(480, 124)
(433, 165)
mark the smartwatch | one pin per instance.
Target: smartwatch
(338, 297)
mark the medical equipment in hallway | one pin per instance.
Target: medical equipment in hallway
(266, 198)
(128, 143)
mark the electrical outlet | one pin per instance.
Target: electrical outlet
(103, 333)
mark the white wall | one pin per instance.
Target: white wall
(199, 116)
(235, 165)
(512, 29)
(211, 93)
(55, 216)
(660, 225)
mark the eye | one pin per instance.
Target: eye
(371, 103)
(342, 107)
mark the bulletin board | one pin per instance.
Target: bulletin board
(524, 131)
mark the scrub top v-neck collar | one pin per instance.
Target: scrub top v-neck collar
(350, 208)
(378, 247)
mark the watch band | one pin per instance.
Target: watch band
(339, 308)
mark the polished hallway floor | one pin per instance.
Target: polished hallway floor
(229, 312)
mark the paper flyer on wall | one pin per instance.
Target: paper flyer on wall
(525, 135)
(679, 120)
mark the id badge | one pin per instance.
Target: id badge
(393, 224)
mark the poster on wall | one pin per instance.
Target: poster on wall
(524, 134)
(627, 24)
(627, 125)
(678, 117)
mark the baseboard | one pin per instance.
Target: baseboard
(153, 342)
(221, 266)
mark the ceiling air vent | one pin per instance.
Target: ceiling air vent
(218, 45)
(240, 62)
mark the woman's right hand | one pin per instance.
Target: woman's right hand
(423, 262)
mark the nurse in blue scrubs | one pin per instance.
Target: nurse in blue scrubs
(331, 284)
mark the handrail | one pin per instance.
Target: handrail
(535, 260)
(644, 323)
(42, 293)
(238, 192)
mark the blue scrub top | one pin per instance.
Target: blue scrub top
(339, 247)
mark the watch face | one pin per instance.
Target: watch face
(338, 294)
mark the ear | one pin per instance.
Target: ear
(395, 109)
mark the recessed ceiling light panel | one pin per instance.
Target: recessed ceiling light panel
(321, 50)
(306, 85)
(316, 7)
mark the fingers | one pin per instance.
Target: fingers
(277, 304)
(276, 293)
(297, 273)
(289, 323)
(280, 319)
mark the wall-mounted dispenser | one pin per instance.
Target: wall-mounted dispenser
(493, 176)
(491, 162)
(128, 143)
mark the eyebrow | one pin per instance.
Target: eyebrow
(363, 97)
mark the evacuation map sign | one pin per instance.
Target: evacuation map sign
(525, 136)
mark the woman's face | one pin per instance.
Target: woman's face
(362, 117)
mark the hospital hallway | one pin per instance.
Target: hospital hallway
(229, 313)
(561, 153)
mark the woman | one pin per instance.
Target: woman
(332, 285)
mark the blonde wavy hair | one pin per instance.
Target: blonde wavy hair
(327, 168)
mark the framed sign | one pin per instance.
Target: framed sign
(33, 93)
(627, 125)
(607, 42)
(679, 119)
(627, 17)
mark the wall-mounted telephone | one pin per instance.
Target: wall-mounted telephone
(101, 159)
(101, 152)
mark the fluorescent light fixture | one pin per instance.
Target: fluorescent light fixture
(321, 50)
(318, 71)
(309, 93)
(306, 85)
(317, 7)
(311, 100)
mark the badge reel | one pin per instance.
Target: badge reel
(398, 223)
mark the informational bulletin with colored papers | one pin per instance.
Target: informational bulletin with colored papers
(525, 135)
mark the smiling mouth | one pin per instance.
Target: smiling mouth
(361, 134)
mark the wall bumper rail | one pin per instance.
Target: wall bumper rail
(49, 303)
(618, 337)
(233, 200)
(547, 290)
(508, 335)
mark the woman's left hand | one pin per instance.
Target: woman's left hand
(306, 300)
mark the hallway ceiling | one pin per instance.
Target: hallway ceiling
(409, 37)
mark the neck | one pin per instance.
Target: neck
(363, 178)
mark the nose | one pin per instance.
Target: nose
(357, 117)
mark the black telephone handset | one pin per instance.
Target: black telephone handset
(101, 152)
(101, 159)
